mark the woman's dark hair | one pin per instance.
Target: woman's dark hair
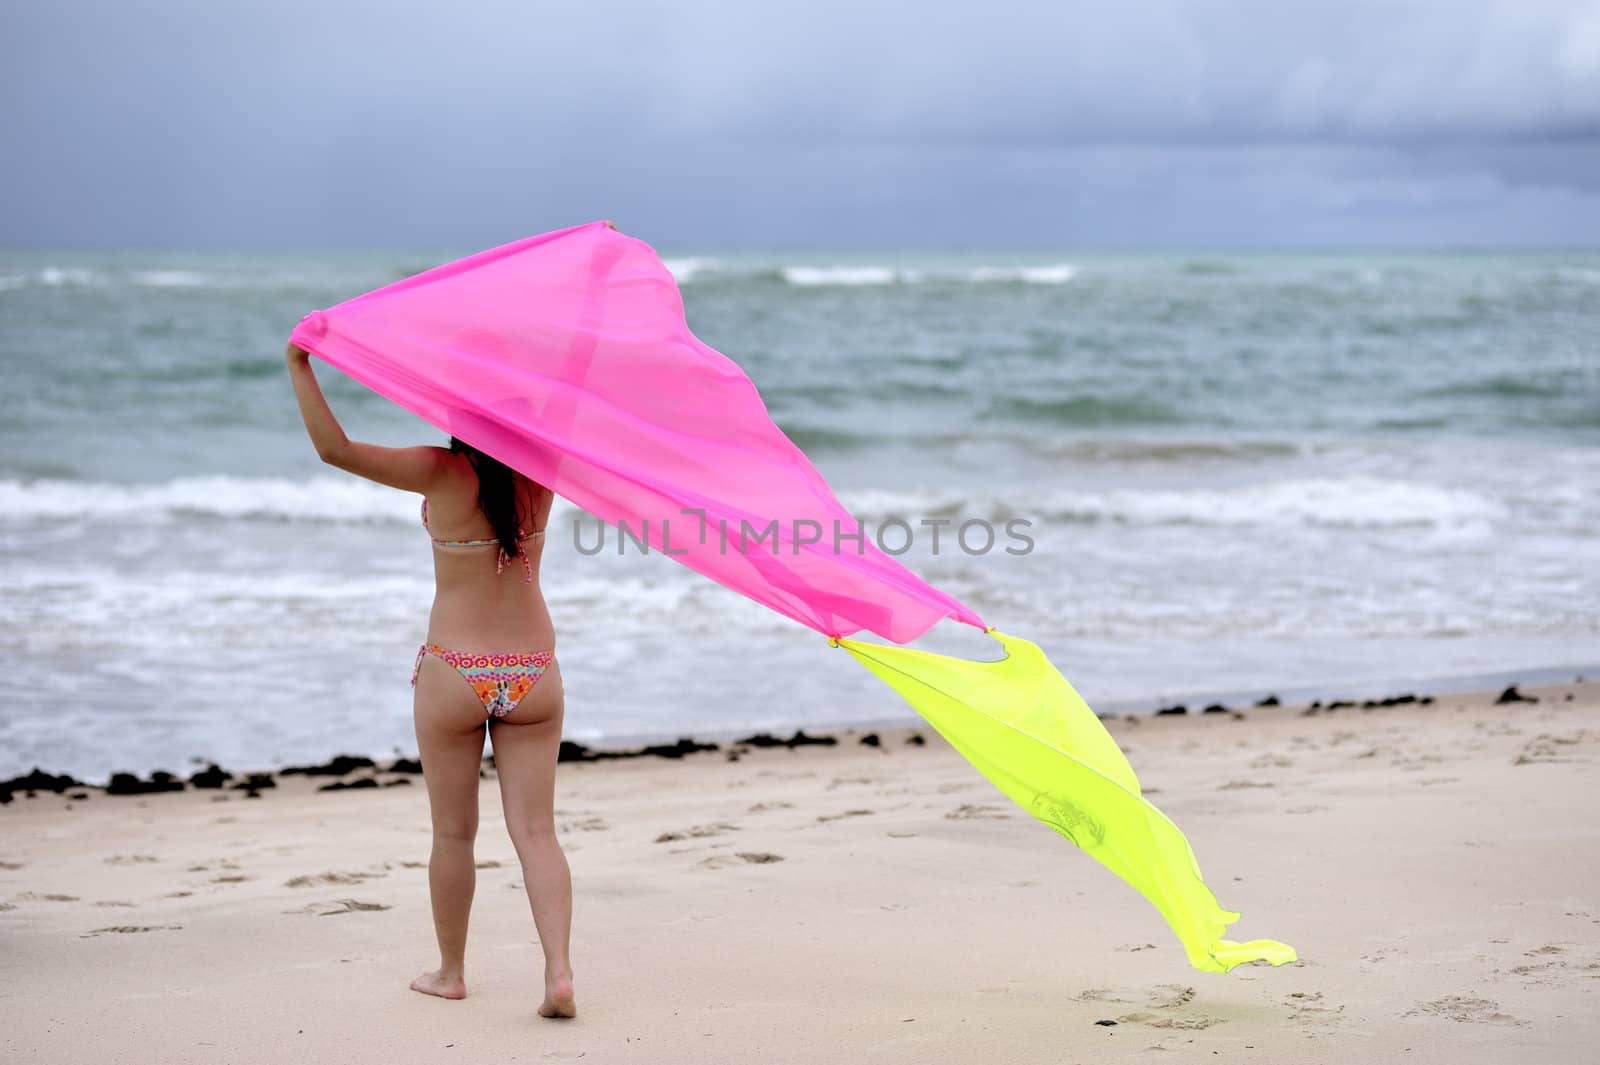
(497, 494)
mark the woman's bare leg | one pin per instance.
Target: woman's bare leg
(449, 724)
(525, 747)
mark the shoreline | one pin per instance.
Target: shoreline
(342, 772)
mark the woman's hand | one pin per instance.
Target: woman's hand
(612, 225)
(296, 355)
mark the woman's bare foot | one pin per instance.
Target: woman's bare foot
(558, 999)
(435, 984)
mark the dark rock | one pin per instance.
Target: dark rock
(78, 795)
(213, 776)
(1215, 708)
(406, 765)
(1340, 704)
(345, 785)
(684, 746)
(1169, 710)
(1106, 1024)
(39, 780)
(396, 782)
(871, 740)
(1316, 705)
(338, 767)
(1511, 695)
(129, 784)
(1426, 700)
(255, 782)
(1390, 700)
(800, 739)
(574, 752)
(1271, 700)
(917, 739)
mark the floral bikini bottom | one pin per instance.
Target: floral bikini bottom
(501, 680)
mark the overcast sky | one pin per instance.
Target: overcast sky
(698, 124)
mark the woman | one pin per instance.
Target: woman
(489, 656)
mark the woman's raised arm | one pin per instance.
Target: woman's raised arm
(414, 469)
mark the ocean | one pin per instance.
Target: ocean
(1319, 474)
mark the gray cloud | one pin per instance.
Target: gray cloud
(722, 123)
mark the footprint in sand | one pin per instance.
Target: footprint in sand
(697, 832)
(1308, 1007)
(968, 811)
(1160, 996)
(131, 859)
(12, 865)
(586, 824)
(131, 928)
(722, 861)
(840, 817)
(1152, 1020)
(1164, 1006)
(313, 879)
(29, 896)
(763, 807)
(1463, 1009)
(1170, 996)
(108, 903)
(352, 906)
(332, 907)
(1542, 971)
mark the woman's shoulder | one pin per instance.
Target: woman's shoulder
(457, 482)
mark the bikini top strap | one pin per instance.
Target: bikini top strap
(527, 564)
(502, 559)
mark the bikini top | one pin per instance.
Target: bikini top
(503, 559)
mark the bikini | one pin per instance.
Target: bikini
(500, 679)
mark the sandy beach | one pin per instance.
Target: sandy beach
(1435, 866)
